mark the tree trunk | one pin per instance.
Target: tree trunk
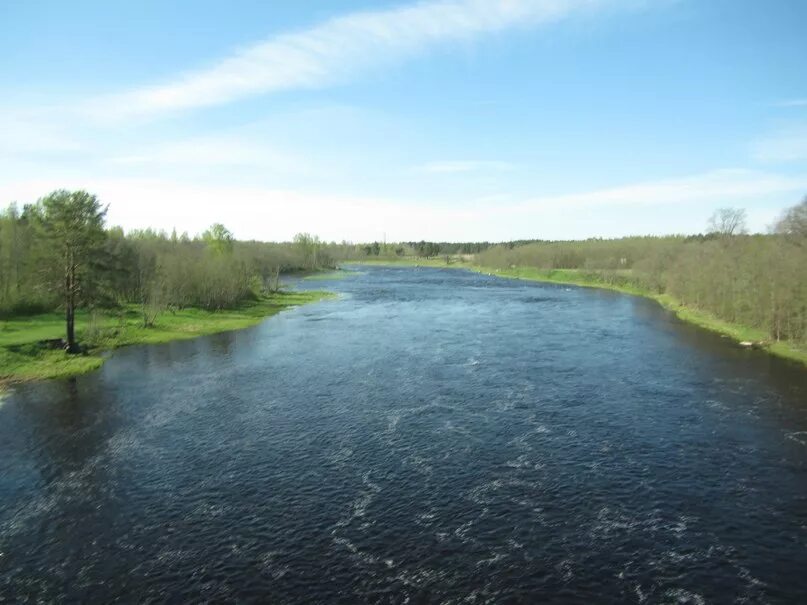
(70, 316)
(70, 310)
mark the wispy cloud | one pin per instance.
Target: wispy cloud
(787, 145)
(218, 151)
(335, 50)
(732, 186)
(35, 131)
(266, 213)
(452, 166)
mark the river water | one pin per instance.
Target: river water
(431, 436)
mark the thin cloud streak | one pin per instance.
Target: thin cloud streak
(269, 214)
(213, 151)
(708, 187)
(334, 51)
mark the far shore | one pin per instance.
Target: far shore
(738, 333)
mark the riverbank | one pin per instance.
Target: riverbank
(24, 356)
(736, 332)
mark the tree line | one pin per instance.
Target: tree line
(754, 280)
(59, 254)
(419, 249)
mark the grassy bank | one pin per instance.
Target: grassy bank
(23, 356)
(697, 317)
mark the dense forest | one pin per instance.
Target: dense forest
(59, 254)
(758, 280)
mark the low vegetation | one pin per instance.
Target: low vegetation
(71, 288)
(27, 343)
(756, 337)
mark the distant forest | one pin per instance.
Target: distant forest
(60, 253)
(758, 281)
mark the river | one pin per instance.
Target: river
(431, 436)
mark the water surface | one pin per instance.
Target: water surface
(432, 436)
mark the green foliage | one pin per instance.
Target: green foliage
(218, 238)
(72, 221)
(56, 255)
(427, 249)
(373, 249)
(310, 249)
(758, 281)
(71, 226)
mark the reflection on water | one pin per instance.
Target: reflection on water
(432, 436)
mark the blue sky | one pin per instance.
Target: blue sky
(450, 120)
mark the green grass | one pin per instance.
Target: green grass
(691, 315)
(22, 358)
